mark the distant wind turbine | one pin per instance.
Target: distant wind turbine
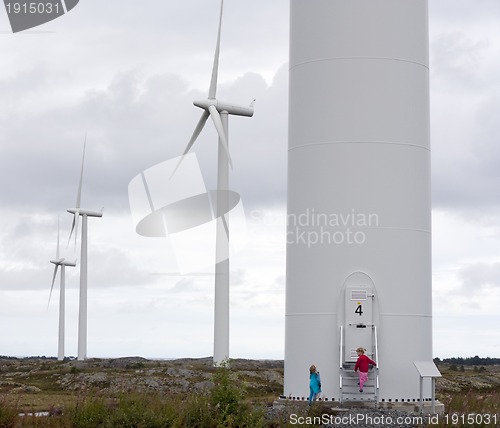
(219, 111)
(84, 213)
(60, 261)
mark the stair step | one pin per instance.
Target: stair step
(350, 376)
(356, 382)
(355, 385)
(366, 389)
(361, 399)
(358, 396)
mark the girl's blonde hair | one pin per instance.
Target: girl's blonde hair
(361, 350)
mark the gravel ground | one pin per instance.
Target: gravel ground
(378, 418)
(327, 417)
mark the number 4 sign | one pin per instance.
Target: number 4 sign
(359, 309)
(25, 14)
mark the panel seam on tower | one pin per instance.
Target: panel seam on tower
(410, 229)
(394, 143)
(405, 315)
(311, 313)
(358, 58)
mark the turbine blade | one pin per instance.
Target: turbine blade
(226, 227)
(79, 194)
(220, 130)
(215, 68)
(197, 130)
(196, 133)
(72, 228)
(52, 286)
(76, 228)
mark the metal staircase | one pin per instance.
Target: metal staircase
(350, 386)
(349, 379)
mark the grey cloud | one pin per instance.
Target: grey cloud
(456, 62)
(477, 277)
(133, 124)
(463, 12)
(465, 129)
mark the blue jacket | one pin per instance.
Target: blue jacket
(315, 382)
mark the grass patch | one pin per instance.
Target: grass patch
(8, 415)
(236, 395)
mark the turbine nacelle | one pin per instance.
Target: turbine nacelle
(88, 213)
(222, 106)
(63, 262)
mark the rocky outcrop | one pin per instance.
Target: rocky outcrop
(118, 375)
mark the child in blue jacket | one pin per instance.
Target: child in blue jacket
(314, 384)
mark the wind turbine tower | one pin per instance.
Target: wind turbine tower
(359, 208)
(85, 214)
(219, 111)
(62, 262)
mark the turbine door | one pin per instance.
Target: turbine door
(358, 321)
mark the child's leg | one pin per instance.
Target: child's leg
(363, 377)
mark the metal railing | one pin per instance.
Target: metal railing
(375, 356)
(340, 360)
(375, 342)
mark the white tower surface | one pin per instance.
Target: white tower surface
(359, 207)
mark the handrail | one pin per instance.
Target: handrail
(341, 344)
(340, 361)
(378, 365)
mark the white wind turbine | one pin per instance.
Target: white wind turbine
(60, 261)
(82, 310)
(219, 112)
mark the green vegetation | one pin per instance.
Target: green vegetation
(223, 406)
(225, 403)
(137, 393)
(469, 361)
(8, 415)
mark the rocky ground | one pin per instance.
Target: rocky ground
(481, 378)
(43, 384)
(38, 381)
(34, 375)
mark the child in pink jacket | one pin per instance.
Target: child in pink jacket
(362, 364)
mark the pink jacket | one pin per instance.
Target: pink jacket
(363, 364)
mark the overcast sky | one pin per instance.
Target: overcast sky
(126, 74)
